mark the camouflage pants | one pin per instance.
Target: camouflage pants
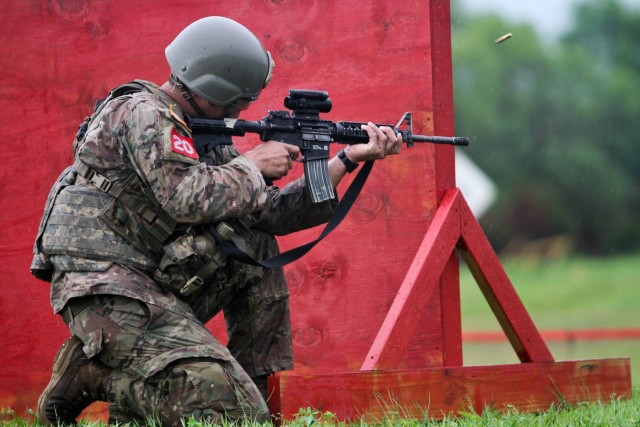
(256, 313)
(164, 365)
(165, 362)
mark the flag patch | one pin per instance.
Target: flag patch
(183, 145)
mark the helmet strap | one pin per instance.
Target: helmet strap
(195, 106)
(187, 94)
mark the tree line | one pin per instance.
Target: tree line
(555, 125)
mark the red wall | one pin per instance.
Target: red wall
(374, 58)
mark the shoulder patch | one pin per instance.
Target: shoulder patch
(183, 145)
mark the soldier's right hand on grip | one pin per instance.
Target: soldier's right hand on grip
(273, 158)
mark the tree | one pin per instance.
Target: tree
(553, 125)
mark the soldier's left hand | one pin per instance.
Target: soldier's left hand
(383, 141)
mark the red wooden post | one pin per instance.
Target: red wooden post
(445, 173)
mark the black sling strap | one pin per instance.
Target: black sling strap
(293, 254)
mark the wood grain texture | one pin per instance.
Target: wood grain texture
(529, 387)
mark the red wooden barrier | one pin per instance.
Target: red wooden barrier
(440, 392)
(377, 59)
(450, 388)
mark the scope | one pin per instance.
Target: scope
(308, 100)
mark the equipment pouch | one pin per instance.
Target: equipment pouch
(41, 266)
(190, 263)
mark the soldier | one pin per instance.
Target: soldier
(134, 273)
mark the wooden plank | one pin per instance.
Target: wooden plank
(499, 291)
(419, 283)
(442, 83)
(451, 315)
(443, 124)
(530, 387)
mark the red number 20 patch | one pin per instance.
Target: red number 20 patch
(183, 145)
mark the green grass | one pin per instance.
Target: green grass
(568, 293)
(565, 293)
(617, 412)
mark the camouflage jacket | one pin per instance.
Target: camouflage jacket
(141, 142)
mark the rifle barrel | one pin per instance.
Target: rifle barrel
(453, 140)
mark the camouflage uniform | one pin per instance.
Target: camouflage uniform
(165, 362)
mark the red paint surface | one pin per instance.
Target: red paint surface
(374, 58)
(534, 385)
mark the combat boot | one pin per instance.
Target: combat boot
(76, 382)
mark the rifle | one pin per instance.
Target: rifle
(304, 128)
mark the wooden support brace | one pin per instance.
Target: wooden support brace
(438, 392)
(418, 285)
(496, 287)
(454, 226)
(449, 389)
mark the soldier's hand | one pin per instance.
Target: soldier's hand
(383, 141)
(274, 159)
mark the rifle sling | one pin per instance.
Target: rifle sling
(293, 254)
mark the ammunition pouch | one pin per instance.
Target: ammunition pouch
(189, 263)
(194, 262)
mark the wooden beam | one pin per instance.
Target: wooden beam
(437, 392)
(496, 287)
(443, 124)
(450, 313)
(442, 91)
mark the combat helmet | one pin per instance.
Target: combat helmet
(220, 60)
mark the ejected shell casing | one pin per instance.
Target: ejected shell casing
(503, 38)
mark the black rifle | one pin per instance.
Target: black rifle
(302, 127)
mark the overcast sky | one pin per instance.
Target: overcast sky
(550, 17)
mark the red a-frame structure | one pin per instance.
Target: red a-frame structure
(533, 385)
